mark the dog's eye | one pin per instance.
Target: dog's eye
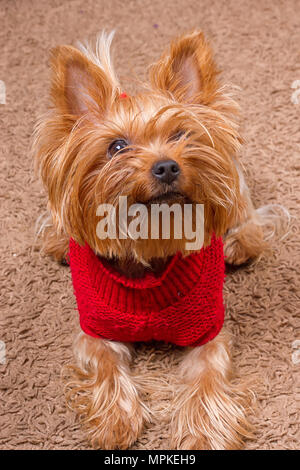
(117, 146)
(176, 136)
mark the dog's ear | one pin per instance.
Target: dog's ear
(82, 83)
(187, 70)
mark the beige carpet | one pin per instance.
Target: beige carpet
(257, 44)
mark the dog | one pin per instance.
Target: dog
(177, 140)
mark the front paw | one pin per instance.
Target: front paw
(211, 419)
(108, 405)
(117, 425)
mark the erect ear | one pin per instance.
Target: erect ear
(187, 70)
(80, 86)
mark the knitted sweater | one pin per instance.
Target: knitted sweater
(184, 305)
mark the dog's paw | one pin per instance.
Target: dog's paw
(187, 441)
(244, 244)
(211, 419)
(235, 252)
(117, 426)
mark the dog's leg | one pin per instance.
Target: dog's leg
(54, 245)
(245, 240)
(209, 410)
(103, 392)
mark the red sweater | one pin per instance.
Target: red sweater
(184, 305)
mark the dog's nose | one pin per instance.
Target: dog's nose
(166, 171)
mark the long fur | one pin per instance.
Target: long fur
(185, 98)
(210, 411)
(71, 149)
(101, 389)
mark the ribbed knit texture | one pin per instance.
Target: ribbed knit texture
(184, 305)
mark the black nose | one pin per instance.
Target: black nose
(166, 171)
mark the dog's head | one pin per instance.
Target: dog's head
(174, 142)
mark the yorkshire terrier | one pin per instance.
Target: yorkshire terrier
(175, 141)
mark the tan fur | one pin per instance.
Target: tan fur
(71, 149)
(54, 244)
(71, 152)
(102, 391)
(245, 244)
(210, 410)
(245, 240)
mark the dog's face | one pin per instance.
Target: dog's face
(173, 142)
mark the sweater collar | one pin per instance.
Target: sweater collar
(148, 293)
(149, 280)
